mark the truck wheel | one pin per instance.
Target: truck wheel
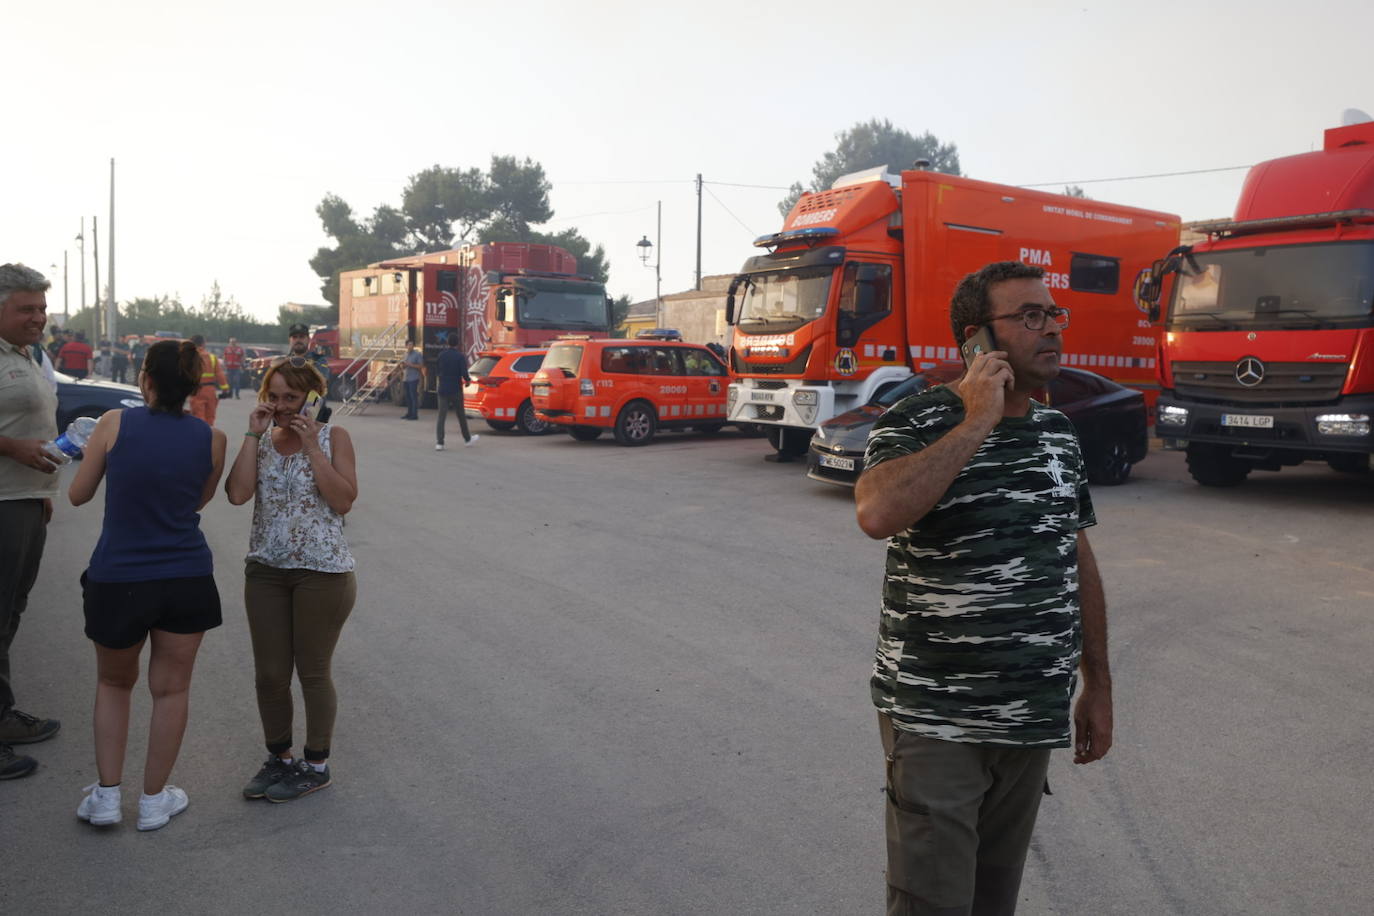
(1213, 466)
(342, 387)
(1112, 464)
(790, 444)
(636, 424)
(585, 433)
(504, 426)
(529, 422)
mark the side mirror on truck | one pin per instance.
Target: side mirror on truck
(730, 301)
(502, 298)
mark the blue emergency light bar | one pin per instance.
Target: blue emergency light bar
(809, 234)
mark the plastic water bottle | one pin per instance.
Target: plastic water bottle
(69, 445)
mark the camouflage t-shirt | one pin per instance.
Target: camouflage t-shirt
(979, 638)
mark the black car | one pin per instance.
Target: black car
(90, 397)
(1110, 420)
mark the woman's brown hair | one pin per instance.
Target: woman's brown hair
(173, 372)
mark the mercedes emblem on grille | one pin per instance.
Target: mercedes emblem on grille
(1249, 371)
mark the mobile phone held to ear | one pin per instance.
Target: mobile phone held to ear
(313, 400)
(980, 342)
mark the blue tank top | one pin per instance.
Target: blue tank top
(153, 480)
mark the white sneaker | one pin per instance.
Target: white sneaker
(438, 446)
(101, 807)
(155, 811)
(474, 438)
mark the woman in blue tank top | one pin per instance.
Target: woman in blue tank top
(151, 576)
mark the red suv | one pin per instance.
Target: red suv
(500, 390)
(633, 387)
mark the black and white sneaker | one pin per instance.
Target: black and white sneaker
(302, 780)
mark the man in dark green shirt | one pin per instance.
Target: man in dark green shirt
(992, 605)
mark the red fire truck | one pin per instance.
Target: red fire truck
(1267, 359)
(854, 294)
(492, 295)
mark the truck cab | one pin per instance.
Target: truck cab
(1267, 360)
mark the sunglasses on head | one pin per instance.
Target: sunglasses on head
(295, 362)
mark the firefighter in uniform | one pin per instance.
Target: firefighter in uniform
(205, 402)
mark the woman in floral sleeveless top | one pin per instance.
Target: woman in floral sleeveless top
(298, 582)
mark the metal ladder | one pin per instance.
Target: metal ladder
(379, 371)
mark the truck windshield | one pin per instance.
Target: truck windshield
(782, 301)
(559, 304)
(1292, 286)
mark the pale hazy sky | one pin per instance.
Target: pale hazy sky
(229, 124)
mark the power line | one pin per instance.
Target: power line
(564, 219)
(751, 232)
(1055, 184)
(731, 184)
(632, 181)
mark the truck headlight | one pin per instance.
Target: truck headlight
(731, 396)
(1169, 415)
(1343, 424)
(804, 398)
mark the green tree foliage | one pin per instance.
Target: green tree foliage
(218, 317)
(873, 143)
(445, 207)
(310, 315)
(620, 310)
(356, 243)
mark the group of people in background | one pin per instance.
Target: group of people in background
(150, 579)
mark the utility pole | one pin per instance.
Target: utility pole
(66, 314)
(698, 230)
(111, 310)
(95, 261)
(81, 250)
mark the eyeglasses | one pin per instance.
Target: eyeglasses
(1035, 317)
(296, 362)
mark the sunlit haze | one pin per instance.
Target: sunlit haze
(228, 125)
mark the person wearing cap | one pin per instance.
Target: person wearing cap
(299, 337)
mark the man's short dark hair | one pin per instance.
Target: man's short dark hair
(971, 304)
(453, 340)
(198, 340)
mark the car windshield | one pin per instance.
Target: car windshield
(779, 302)
(482, 368)
(558, 304)
(566, 357)
(1291, 286)
(904, 389)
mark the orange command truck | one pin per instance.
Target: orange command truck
(1267, 359)
(854, 293)
(498, 294)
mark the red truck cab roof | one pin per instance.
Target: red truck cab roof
(1340, 176)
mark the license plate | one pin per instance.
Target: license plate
(761, 396)
(839, 464)
(1249, 421)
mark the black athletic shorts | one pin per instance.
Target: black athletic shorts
(120, 614)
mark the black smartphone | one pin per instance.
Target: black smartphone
(981, 342)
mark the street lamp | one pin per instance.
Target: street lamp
(645, 247)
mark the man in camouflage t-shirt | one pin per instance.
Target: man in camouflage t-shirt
(992, 605)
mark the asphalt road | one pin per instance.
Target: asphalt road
(586, 679)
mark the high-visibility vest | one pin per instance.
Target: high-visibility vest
(208, 363)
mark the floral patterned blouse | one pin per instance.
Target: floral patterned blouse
(293, 526)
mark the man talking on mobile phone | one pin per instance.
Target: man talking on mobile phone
(993, 611)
